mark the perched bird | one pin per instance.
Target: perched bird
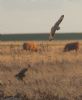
(55, 27)
(22, 73)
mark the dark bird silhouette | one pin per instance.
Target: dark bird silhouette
(55, 28)
(22, 73)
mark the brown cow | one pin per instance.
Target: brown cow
(30, 46)
(71, 46)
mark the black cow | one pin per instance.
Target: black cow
(71, 46)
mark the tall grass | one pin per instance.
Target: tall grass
(54, 75)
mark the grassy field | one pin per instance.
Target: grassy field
(53, 75)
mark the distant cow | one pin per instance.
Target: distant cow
(71, 46)
(30, 46)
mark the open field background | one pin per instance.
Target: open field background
(54, 75)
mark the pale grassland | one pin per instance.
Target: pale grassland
(54, 75)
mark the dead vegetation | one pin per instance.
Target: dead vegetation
(54, 75)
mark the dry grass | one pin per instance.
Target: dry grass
(54, 75)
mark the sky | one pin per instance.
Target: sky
(38, 16)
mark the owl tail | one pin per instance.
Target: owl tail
(51, 37)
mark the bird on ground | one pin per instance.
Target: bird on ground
(21, 74)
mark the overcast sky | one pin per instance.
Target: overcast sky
(24, 16)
